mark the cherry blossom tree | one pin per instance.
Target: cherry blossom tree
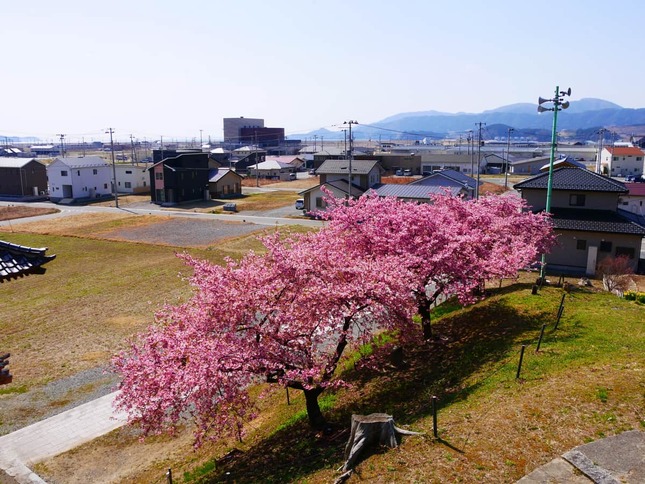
(284, 317)
(450, 245)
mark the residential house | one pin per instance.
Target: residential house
(22, 177)
(272, 169)
(224, 183)
(566, 161)
(73, 179)
(334, 174)
(415, 193)
(466, 185)
(634, 200)
(622, 161)
(132, 178)
(179, 179)
(586, 219)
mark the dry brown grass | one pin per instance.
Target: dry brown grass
(23, 211)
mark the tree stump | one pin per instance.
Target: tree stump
(367, 430)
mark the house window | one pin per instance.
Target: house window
(78, 172)
(105, 186)
(581, 244)
(576, 200)
(159, 175)
(128, 172)
(95, 171)
(128, 185)
(605, 246)
(639, 158)
(625, 251)
(63, 173)
(319, 202)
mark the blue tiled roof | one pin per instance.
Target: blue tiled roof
(16, 260)
(569, 178)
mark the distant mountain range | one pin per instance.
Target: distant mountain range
(581, 121)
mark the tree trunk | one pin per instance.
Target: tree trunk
(424, 311)
(368, 430)
(316, 419)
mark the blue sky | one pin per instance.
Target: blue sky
(173, 68)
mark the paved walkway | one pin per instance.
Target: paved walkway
(613, 460)
(55, 435)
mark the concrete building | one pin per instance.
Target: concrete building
(233, 127)
(621, 161)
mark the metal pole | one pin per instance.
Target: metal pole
(519, 366)
(540, 339)
(288, 401)
(169, 475)
(434, 417)
(549, 187)
(349, 186)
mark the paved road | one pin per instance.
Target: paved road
(55, 435)
(254, 218)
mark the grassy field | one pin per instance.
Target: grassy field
(586, 382)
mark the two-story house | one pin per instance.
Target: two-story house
(335, 176)
(180, 179)
(85, 177)
(622, 160)
(585, 217)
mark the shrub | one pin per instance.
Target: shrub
(615, 273)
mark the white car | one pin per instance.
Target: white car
(300, 204)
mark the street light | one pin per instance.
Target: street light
(508, 152)
(558, 105)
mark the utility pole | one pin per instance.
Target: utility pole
(315, 140)
(134, 152)
(255, 146)
(116, 195)
(201, 140)
(351, 156)
(83, 143)
(601, 136)
(479, 156)
(508, 152)
(62, 146)
(322, 143)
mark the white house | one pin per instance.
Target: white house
(132, 178)
(622, 160)
(77, 178)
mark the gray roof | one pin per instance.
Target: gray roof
(216, 174)
(453, 175)
(16, 260)
(341, 185)
(414, 191)
(11, 162)
(341, 167)
(594, 221)
(570, 178)
(82, 162)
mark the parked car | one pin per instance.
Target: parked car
(398, 172)
(630, 178)
(312, 172)
(407, 172)
(292, 176)
(300, 204)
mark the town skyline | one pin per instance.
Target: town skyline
(176, 70)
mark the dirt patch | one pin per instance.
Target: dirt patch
(23, 211)
(182, 232)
